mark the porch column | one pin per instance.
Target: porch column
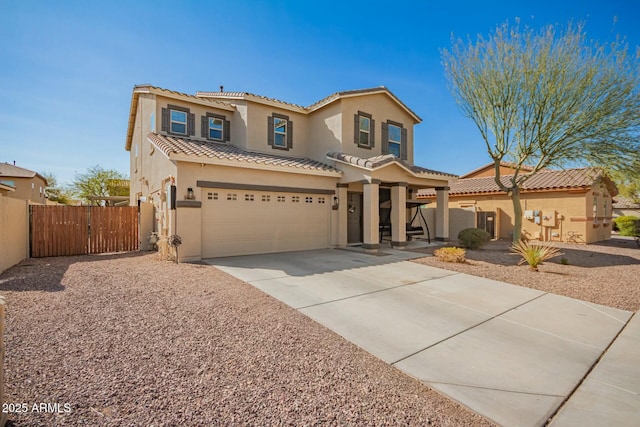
(399, 214)
(371, 214)
(442, 214)
(343, 206)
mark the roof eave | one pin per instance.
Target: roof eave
(251, 165)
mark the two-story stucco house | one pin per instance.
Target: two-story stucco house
(255, 175)
(26, 184)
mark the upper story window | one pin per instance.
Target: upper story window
(280, 132)
(364, 127)
(178, 120)
(394, 139)
(215, 127)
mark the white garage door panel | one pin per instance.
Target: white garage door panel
(267, 222)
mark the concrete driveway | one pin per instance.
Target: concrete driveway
(512, 354)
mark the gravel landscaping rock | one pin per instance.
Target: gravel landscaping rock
(127, 339)
(606, 273)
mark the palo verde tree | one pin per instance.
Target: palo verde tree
(547, 99)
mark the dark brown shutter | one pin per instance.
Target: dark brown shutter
(289, 134)
(270, 130)
(384, 143)
(356, 129)
(165, 120)
(205, 127)
(191, 124)
(372, 134)
(227, 130)
(403, 145)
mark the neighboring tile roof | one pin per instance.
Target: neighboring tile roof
(377, 161)
(491, 165)
(621, 202)
(13, 171)
(173, 145)
(543, 180)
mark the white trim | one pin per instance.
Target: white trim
(210, 118)
(171, 122)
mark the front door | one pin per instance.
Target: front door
(354, 217)
(487, 222)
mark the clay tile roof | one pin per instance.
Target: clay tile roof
(198, 149)
(621, 202)
(378, 161)
(243, 95)
(544, 180)
(8, 170)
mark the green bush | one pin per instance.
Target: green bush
(533, 254)
(473, 238)
(628, 225)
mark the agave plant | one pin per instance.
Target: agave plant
(533, 254)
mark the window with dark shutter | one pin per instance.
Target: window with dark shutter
(280, 132)
(178, 120)
(403, 145)
(394, 139)
(215, 127)
(363, 127)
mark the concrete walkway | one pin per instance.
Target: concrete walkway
(513, 354)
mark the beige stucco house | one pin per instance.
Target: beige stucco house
(572, 205)
(26, 184)
(624, 206)
(253, 174)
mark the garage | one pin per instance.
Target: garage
(244, 222)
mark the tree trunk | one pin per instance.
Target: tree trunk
(517, 214)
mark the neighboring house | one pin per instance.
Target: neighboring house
(28, 185)
(573, 205)
(624, 206)
(255, 175)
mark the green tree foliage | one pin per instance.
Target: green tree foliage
(55, 191)
(97, 182)
(548, 98)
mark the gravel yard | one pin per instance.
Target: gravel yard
(606, 273)
(129, 340)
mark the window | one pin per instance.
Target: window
(178, 120)
(364, 127)
(321, 200)
(280, 132)
(394, 139)
(595, 208)
(281, 199)
(295, 199)
(248, 197)
(308, 199)
(215, 127)
(266, 198)
(212, 196)
(232, 196)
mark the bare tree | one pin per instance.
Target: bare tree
(548, 98)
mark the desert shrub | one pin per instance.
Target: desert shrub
(473, 238)
(628, 225)
(450, 254)
(533, 254)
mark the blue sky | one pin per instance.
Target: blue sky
(68, 68)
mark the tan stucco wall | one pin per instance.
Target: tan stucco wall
(14, 231)
(32, 189)
(257, 130)
(325, 132)
(382, 108)
(573, 214)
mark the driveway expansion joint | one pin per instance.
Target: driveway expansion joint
(468, 329)
(403, 285)
(430, 383)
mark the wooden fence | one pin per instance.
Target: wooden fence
(78, 230)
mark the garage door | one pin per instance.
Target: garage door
(242, 222)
